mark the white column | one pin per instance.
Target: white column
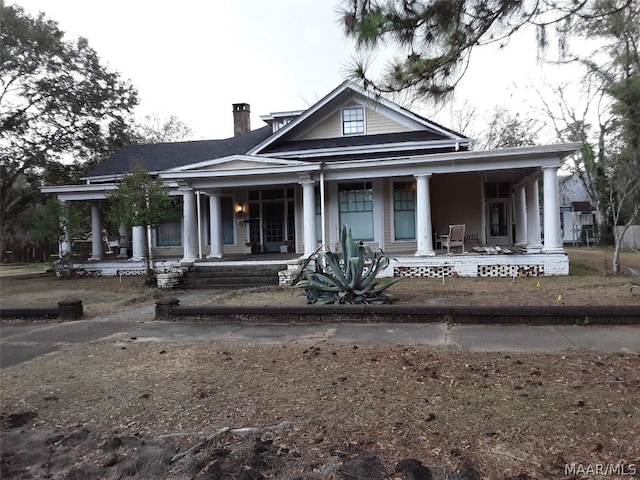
(424, 231)
(123, 232)
(534, 244)
(521, 216)
(65, 241)
(137, 243)
(96, 232)
(215, 225)
(551, 199)
(309, 217)
(189, 221)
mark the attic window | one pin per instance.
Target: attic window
(353, 121)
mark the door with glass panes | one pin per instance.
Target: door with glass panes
(272, 221)
(498, 213)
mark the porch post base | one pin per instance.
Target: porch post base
(553, 250)
(425, 253)
(534, 248)
(94, 259)
(214, 255)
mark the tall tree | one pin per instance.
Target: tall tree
(507, 130)
(606, 119)
(435, 38)
(61, 110)
(156, 128)
(581, 121)
(618, 71)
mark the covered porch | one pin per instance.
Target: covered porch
(235, 209)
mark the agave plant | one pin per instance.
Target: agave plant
(634, 284)
(350, 277)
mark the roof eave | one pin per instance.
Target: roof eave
(303, 168)
(365, 149)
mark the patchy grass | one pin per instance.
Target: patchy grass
(588, 284)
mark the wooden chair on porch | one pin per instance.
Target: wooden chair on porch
(455, 238)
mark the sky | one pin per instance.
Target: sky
(195, 58)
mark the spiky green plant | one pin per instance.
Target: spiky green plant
(349, 277)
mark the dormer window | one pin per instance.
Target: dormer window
(353, 121)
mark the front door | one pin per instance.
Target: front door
(498, 222)
(272, 221)
(273, 225)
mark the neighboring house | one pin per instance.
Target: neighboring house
(577, 214)
(353, 158)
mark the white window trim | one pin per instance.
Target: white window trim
(364, 120)
(392, 211)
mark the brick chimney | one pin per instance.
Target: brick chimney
(241, 118)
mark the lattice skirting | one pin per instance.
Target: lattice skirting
(510, 270)
(428, 271)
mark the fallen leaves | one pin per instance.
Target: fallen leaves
(513, 414)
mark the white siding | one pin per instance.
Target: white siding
(375, 123)
(331, 127)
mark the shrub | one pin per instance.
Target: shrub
(347, 277)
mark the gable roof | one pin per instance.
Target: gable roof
(419, 136)
(156, 157)
(237, 162)
(337, 98)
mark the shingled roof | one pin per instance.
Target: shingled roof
(355, 141)
(156, 157)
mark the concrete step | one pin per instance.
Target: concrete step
(231, 276)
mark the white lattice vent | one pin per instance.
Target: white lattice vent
(422, 271)
(127, 272)
(510, 270)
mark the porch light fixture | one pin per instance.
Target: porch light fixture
(240, 208)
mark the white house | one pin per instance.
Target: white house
(396, 178)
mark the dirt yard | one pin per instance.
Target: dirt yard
(121, 407)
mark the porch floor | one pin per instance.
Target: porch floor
(475, 262)
(278, 257)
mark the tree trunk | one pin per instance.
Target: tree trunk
(618, 235)
(616, 256)
(148, 262)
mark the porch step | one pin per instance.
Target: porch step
(231, 276)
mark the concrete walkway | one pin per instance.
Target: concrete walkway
(489, 338)
(23, 341)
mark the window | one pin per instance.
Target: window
(497, 189)
(356, 209)
(404, 210)
(169, 234)
(228, 225)
(498, 224)
(353, 121)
